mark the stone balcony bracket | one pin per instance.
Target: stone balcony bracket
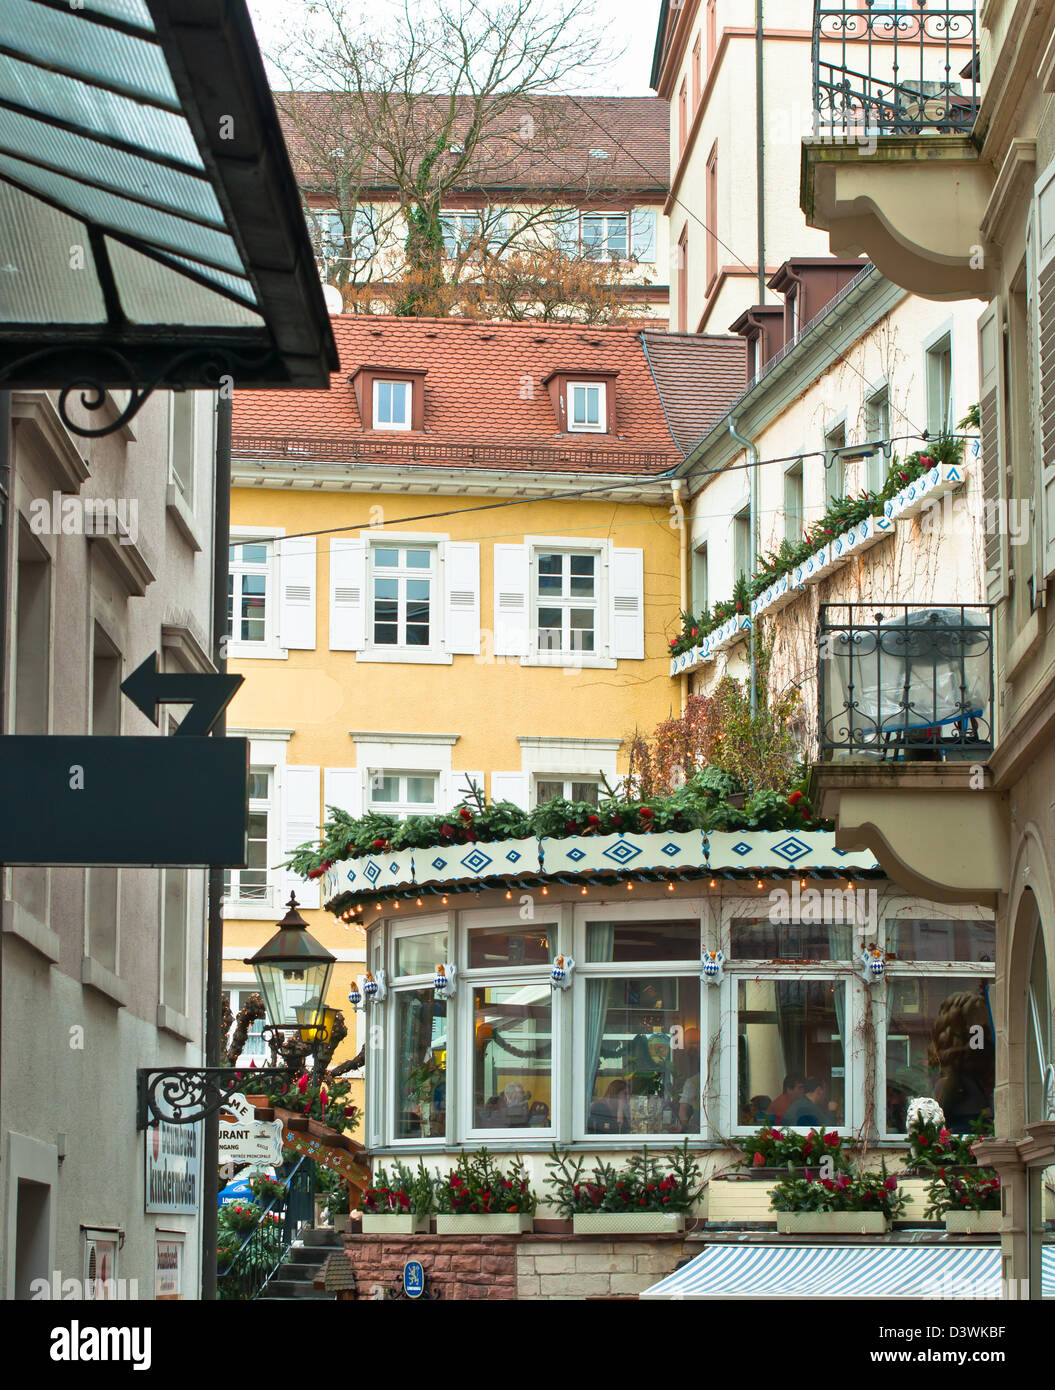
(939, 830)
(916, 205)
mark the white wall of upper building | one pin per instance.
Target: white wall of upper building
(633, 233)
(935, 557)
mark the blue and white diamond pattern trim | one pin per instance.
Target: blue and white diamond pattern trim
(622, 852)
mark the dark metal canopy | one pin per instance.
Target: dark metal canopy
(151, 231)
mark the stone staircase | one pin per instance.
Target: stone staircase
(295, 1276)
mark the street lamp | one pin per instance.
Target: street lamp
(293, 974)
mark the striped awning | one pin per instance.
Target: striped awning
(858, 1271)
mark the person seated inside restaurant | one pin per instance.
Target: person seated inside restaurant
(793, 1088)
(811, 1107)
(758, 1111)
(610, 1113)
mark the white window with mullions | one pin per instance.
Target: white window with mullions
(403, 793)
(403, 589)
(415, 1068)
(586, 789)
(250, 593)
(637, 1059)
(604, 235)
(567, 606)
(254, 1048)
(508, 1021)
(393, 405)
(588, 407)
(251, 885)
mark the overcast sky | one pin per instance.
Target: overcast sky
(631, 25)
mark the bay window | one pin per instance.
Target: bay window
(419, 1019)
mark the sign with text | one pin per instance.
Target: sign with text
(168, 1267)
(413, 1279)
(100, 800)
(173, 1168)
(258, 1142)
(336, 1160)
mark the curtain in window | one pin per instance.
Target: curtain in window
(600, 940)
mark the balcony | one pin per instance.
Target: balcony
(911, 684)
(892, 169)
(905, 728)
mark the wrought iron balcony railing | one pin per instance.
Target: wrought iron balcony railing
(907, 682)
(894, 67)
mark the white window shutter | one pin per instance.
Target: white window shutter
(991, 399)
(512, 786)
(566, 231)
(512, 599)
(1044, 350)
(296, 568)
(348, 596)
(343, 787)
(459, 786)
(626, 594)
(643, 235)
(461, 579)
(300, 822)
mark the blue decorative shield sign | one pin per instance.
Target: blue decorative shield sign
(413, 1279)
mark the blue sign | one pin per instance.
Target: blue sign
(413, 1279)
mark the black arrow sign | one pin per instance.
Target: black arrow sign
(207, 695)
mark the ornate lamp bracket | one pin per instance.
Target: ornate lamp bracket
(185, 1095)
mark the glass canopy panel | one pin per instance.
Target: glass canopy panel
(90, 109)
(123, 214)
(69, 41)
(152, 293)
(129, 11)
(81, 157)
(37, 284)
(234, 283)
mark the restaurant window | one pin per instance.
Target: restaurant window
(420, 1021)
(939, 1039)
(512, 1027)
(792, 1027)
(642, 1026)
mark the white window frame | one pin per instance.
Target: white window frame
(404, 424)
(101, 1235)
(402, 574)
(403, 807)
(939, 343)
(385, 1113)
(793, 532)
(567, 781)
(235, 988)
(269, 806)
(549, 919)
(188, 492)
(459, 227)
(651, 910)
(267, 752)
(435, 654)
(877, 430)
(165, 927)
(540, 545)
(269, 649)
(890, 909)
(601, 388)
(602, 249)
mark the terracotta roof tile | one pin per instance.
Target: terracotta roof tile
(557, 152)
(485, 404)
(699, 376)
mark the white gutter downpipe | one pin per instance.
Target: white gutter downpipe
(676, 485)
(752, 459)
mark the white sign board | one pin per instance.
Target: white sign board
(173, 1166)
(246, 1140)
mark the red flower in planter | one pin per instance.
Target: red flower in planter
(593, 821)
(759, 1161)
(832, 1140)
(646, 814)
(302, 1083)
(926, 461)
(465, 813)
(380, 844)
(794, 798)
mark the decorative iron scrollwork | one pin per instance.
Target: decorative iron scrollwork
(203, 368)
(185, 1095)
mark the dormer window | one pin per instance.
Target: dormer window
(390, 398)
(392, 405)
(587, 407)
(583, 400)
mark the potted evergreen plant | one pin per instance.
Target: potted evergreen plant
(399, 1202)
(841, 1205)
(640, 1198)
(478, 1198)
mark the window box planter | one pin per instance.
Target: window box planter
(394, 1223)
(781, 849)
(831, 1223)
(369, 873)
(973, 1223)
(479, 860)
(340, 1222)
(742, 1197)
(627, 1223)
(942, 478)
(594, 853)
(497, 1223)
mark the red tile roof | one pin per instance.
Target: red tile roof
(699, 375)
(485, 404)
(544, 142)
